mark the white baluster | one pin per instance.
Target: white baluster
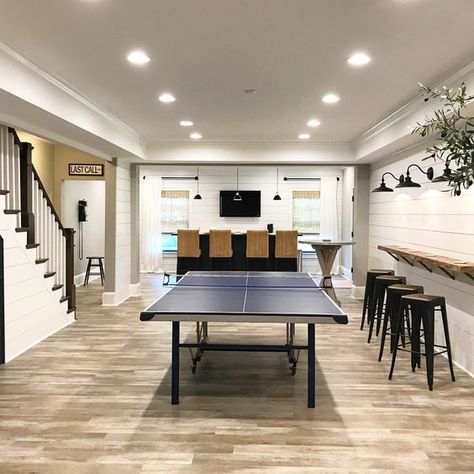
(16, 177)
(3, 154)
(9, 171)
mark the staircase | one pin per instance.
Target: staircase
(38, 252)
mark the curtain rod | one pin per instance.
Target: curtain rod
(195, 178)
(303, 179)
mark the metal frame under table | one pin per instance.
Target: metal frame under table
(264, 297)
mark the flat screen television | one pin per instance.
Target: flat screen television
(249, 206)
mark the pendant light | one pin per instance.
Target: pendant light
(237, 196)
(277, 197)
(407, 181)
(197, 196)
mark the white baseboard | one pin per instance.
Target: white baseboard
(346, 272)
(112, 299)
(357, 292)
(135, 290)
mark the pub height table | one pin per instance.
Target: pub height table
(326, 251)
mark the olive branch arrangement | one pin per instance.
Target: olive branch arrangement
(454, 130)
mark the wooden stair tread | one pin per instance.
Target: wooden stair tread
(32, 246)
(11, 211)
(49, 274)
(57, 287)
(38, 261)
(3, 192)
(21, 229)
(63, 299)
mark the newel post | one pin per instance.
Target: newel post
(70, 286)
(26, 191)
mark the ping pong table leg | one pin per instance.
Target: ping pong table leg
(311, 367)
(175, 364)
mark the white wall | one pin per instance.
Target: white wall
(32, 309)
(204, 214)
(94, 229)
(430, 220)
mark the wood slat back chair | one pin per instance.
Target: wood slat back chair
(257, 244)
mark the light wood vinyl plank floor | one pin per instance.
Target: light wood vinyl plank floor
(95, 398)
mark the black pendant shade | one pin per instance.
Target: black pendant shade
(197, 196)
(237, 197)
(277, 197)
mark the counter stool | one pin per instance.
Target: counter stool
(369, 291)
(394, 293)
(422, 309)
(376, 310)
(98, 265)
(188, 249)
(256, 250)
(286, 250)
(220, 249)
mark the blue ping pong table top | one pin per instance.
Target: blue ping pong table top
(245, 297)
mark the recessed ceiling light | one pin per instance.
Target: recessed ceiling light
(250, 91)
(304, 136)
(330, 98)
(167, 98)
(195, 136)
(358, 59)
(313, 123)
(138, 57)
(186, 123)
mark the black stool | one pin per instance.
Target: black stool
(98, 265)
(369, 290)
(422, 309)
(394, 294)
(376, 310)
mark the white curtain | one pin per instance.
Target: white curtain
(151, 252)
(329, 208)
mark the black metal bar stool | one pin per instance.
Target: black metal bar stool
(369, 291)
(422, 309)
(392, 307)
(376, 310)
(98, 265)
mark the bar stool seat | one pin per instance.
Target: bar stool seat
(369, 290)
(382, 282)
(422, 309)
(394, 294)
(90, 265)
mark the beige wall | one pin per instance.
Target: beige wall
(63, 156)
(43, 161)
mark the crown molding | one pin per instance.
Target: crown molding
(414, 105)
(66, 90)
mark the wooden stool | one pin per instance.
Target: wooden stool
(369, 291)
(377, 309)
(422, 309)
(220, 249)
(394, 294)
(98, 265)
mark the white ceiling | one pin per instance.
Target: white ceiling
(207, 51)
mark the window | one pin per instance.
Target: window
(306, 211)
(174, 211)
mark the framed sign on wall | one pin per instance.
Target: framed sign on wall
(79, 169)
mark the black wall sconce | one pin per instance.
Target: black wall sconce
(407, 181)
(445, 176)
(383, 188)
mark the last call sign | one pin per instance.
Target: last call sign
(77, 169)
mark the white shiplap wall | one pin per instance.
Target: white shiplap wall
(32, 309)
(123, 234)
(204, 214)
(431, 220)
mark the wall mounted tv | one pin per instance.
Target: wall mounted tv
(249, 206)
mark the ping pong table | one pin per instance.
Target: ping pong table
(238, 296)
